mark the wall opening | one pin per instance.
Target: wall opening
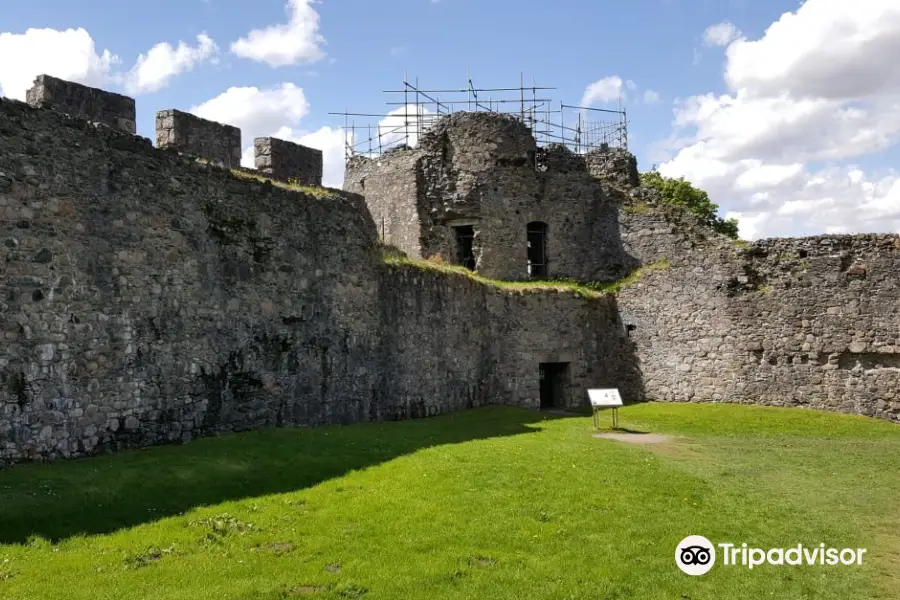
(537, 249)
(553, 384)
(465, 255)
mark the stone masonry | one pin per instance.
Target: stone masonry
(288, 161)
(788, 322)
(485, 171)
(91, 104)
(147, 297)
(191, 135)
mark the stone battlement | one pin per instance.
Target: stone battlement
(147, 297)
(478, 191)
(179, 131)
(113, 110)
(187, 134)
(287, 160)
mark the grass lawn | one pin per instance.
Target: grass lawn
(493, 503)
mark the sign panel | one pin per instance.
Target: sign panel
(605, 398)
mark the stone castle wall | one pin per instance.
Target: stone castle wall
(789, 322)
(97, 106)
(390, 187)
(455, 343)
(486, 171)
(191, 135)
(147, 298)
(288, 161)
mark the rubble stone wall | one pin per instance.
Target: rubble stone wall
(288, 161)
(91, 104)
(485, 171)
(148, 298)
(193, 136)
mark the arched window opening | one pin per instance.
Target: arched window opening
(537, 249)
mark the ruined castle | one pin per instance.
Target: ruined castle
(157, 294)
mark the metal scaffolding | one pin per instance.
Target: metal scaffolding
(579, 128)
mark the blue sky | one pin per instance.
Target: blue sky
(361, 48)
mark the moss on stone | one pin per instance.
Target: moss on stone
(636, 207)
(633, 277)
(291, 184)
(394, 257)
(584, 291)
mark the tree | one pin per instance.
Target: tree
(678, 192)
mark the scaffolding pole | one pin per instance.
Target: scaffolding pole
(592, 128)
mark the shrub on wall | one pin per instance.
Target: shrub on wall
(679, 192)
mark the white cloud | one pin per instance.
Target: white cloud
(651, 97)
(720, 34)
(401, 126)
(602, 91)
(153, 70)
(820, 87)
(331, 143)
(829, 49)
(69, 54)
(258, 112)
(296, 41)
(276, 112)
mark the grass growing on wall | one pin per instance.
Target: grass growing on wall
(495, 503)
(291, 184)
(634, 277)
(437, 266)
(636, 207)
(394, 257)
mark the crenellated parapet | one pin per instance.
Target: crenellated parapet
(187, 134)
(179, 131)
(148, 297)
(286, 160)
(98, 106)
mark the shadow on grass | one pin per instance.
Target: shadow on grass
(626, 430)
(102, 494)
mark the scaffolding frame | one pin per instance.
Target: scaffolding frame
(581, 129)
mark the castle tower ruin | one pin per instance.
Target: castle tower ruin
(478, 191)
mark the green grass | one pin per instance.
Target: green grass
(584, 290)
(291, 184)
(494, 503)
(636, 207)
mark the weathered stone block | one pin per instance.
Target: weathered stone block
(189, 134)
(478, 191)
(286, 160)
(83, 102)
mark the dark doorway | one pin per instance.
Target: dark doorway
(553, 384)
(465, 255)
(537, 249)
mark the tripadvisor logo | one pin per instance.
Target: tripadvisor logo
(696, 555)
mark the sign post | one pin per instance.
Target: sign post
(602, 399)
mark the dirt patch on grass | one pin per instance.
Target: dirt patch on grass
(636, 438)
